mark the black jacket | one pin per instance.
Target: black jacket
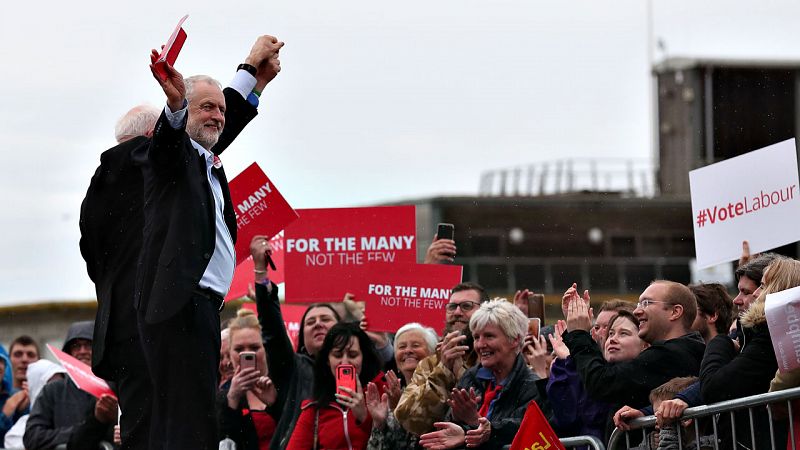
(179, 230)
(630, 382)
(727, 374)
(509, 408)
(237, 424)
(111, 224)
(292, 373)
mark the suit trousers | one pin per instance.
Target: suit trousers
(134, 391)
(182, 355)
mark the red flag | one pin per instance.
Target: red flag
(535, 433)
(81, 374)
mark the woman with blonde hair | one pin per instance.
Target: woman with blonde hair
(749, 360)
(247, 409)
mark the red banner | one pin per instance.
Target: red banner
(81, 374)
(259, 207)
(407, 293)
(326, 249)
(244, 276)
(292, 314)
(535, 433)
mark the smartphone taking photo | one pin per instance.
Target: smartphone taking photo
(345, 377)
(247, 360)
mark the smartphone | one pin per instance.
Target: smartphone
(271, 263)
(247, 360)
(534, 325)
(345, 377)
(536, 307)
(445, 231)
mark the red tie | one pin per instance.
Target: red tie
(488, 396)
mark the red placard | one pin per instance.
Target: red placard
(535, 432)
(170, 51)
(326, 249)
(259, 208)
(407, 293)
(244, 276)
(81, 374)
(292, 314)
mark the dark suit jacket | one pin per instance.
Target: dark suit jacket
(179, 229)
(112, 220)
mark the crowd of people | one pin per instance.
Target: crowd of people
(184, 380)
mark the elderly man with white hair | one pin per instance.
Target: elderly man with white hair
(488, 404)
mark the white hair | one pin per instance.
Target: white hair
(427, 333)
(192, 80)
(506, 316)
(139, 121)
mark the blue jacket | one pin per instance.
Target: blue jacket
(575, 413)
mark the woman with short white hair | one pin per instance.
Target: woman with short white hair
(490, 399)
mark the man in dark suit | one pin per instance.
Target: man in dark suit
(112, 221)
(187, 258)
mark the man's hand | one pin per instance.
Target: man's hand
(447, 435)
(465, 406)
(440, 251)
(105, 409)
(579, 314)
(746, 256)
(452, 352)
(173, 86)
(669, 411)
(17, 402)
(264, 57)
(625, 414)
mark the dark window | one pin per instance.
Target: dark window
(603, 278)
(530, 277)
(623, 246)
(493, 277)
(564, 275)
(678, 273)
(639, 276)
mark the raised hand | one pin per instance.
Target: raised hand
(579, 316)
(264, 57)
(536, 356)
(440, 251)
(453, 353)
(377, 405)
(559, 347)
(465, 406)
(173, 86)
(393, 388)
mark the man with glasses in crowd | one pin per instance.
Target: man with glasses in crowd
(424, 400)
(665, 311)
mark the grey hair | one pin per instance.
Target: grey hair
(427, 333)
(506, 316)
(139, 121)
(190, 82)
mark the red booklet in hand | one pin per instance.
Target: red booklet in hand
(170, 51)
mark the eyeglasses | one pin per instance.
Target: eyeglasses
(645, 303)
(465, 306)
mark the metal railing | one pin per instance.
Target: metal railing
(632, 177)
(591, 442)
(717, 413)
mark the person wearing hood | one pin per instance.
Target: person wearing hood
(64, 414)
(749, 359)
(39, 374)
(10, 413)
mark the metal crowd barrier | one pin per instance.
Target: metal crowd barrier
(589, 442)
(778, 407)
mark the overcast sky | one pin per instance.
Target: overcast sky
(377, 101)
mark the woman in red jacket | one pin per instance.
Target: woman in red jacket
(338, 418)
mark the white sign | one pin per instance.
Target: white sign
(753, 197)
(783, 319)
